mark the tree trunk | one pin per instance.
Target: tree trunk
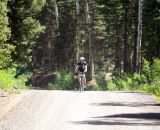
(49, 48)
(126, 46)
(118, 49)
(89, 23)
(56, 13)
(139, 37)
(77, 29)
(91, 60)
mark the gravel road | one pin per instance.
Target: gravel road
(71, 110)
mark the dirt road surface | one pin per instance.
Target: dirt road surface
(71, 110)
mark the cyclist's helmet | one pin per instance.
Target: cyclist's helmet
(82, 58)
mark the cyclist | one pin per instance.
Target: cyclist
(81, 67)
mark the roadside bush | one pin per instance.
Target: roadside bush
(111, 85)
(93, 88)
(152, 89)
(147, 81)
(124, 82)
(130, 81)
(155, 70)
(155, 89)
(146, 70)
(63, 81)
(21, 81)
(137, 80)
(8, 81)
(101, 81)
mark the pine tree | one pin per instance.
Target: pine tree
(5, 47)
(25, 28)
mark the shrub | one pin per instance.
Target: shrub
(8, 81)
(153, 89)
(93, 88)
(156, 89)
(101, 81)
(21, 81)
(155, 70)
(63, 81)
(111, 86)
(141, 81)
(123, 82)
(146, 70)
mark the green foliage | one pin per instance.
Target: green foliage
(37, 5)
(146, 69)
(155, 70)
(93, 88)
(137, 78)
(121, 84)
(5, 56)
(4, 30)
(128, 82)
(111, 85)
(148, 81)
(63, 81)
(21, 80)
(25, 27)
(31, 29)
(101, 81)
(5, 48)
(150, 31)
(124, 82)
(155, 89)
(8, 81)
(152, 89)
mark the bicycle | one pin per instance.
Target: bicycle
(81, 80)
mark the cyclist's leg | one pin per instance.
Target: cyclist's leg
(79, 82)
(75, 82)
(84, 80)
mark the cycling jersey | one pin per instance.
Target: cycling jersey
(82, 66)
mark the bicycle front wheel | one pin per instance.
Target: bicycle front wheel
(81, 85)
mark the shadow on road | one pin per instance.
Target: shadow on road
(130, 123)
(139, 119)
(136, 119)
(126, 104)
(146, 116)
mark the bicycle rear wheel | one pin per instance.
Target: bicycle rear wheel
(81, 85)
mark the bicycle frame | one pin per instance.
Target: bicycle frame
(81, 81)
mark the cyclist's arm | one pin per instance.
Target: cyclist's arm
(85, 68)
